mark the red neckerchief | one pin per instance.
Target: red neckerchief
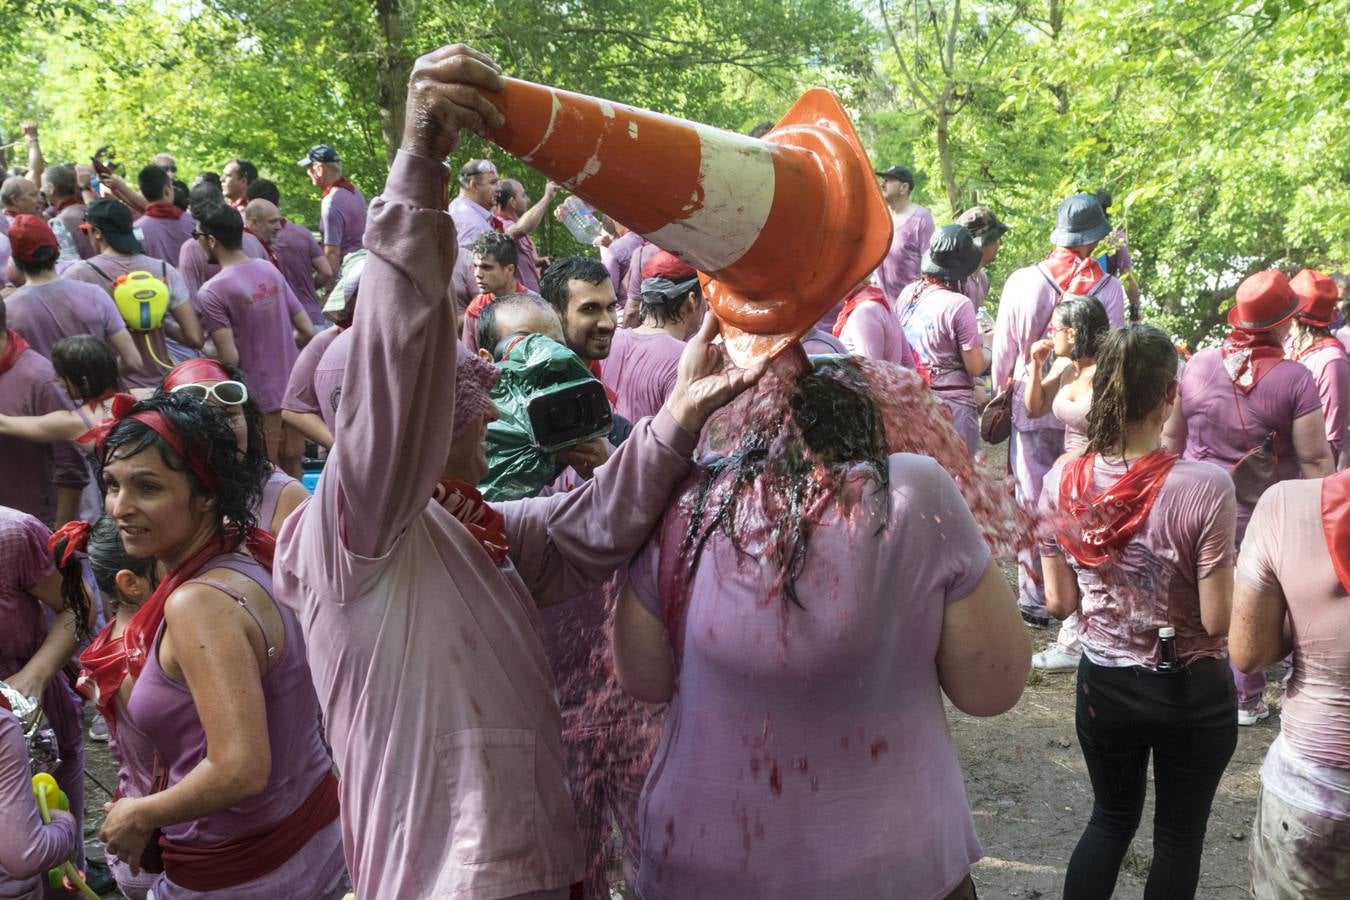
(1318, 345)
(240, 204)
(266, 246)
(594, 367)
(487, 526)
(866, 293)
(108, 661)
(480, 301)
(1336, 523)
(1107, 521)
(1249, 355)
(343, 183)
(16, 347)
(1072, 274)
(68, 202)
(162, 209)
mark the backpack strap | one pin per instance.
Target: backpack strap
(102, 274)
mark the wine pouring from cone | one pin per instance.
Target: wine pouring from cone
(780, 227)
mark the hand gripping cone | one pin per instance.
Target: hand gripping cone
(781, 227)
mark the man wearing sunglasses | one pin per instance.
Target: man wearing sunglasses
(256, 322)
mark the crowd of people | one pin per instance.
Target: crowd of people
(709, 657)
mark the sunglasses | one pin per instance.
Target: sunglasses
(226, 393)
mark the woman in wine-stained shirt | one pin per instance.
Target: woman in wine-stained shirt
(1139, 542)
(1312, 343)
(221, 706)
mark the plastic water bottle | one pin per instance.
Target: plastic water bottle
(579, 219)
(64, 240)
(1167, 649)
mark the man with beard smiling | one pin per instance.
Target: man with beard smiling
(580, 290)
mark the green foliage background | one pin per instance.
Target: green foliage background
(1220, 126)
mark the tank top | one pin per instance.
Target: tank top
(1074, 414)
(166, 719)
(271, 495)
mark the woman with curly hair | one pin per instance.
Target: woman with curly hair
(211, 672)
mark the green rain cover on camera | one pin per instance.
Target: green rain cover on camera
(517, 468)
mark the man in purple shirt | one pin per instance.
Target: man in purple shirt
(472, 209)
(19, 197)
(235, 178)
(164, 228)
(518, 218)
(913, 228)
(342, 214)
(63, 192)
(617, 256)
(43, 480)
(644, 360)
(249, 311)
(296, 253)
(579, 289)
(193, 263)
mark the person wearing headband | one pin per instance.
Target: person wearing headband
(643, 362)
(417, 597)
(220, 699)
(223, 386)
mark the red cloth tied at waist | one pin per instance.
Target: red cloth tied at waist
(216, 867)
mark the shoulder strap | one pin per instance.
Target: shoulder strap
(1059, 291)
(102, 274)
(244, 604)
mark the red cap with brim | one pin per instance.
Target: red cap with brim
(29, 234)
(1264, 301)
(1317, 296)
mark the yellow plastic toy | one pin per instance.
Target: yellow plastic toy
(48, 794)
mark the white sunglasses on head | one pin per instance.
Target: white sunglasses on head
(226, 393)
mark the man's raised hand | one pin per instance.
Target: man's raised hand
(444, 97)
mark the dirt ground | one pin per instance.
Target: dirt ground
(1029, 792)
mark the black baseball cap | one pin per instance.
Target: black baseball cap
(320, 153)
(899, 173)
(113, 219)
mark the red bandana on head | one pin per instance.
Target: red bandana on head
(195, 371)
(1107, 521)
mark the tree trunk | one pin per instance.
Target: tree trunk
(945, 160)
(392, 67)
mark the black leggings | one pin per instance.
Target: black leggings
(1188, 720)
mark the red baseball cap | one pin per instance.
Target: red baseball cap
(667, 265)
(1317, 296)
(29, 234)
(1264, 301)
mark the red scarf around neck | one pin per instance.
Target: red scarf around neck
(108, 661)
(162, 209)
(12, 353)
(487, 526)
(1318, 345)
(868, 293)
(1248, 356)
(1072, 274)
(266, 247)
(1105, 522)
(68, 202)
(343, 183)
(1336, 523)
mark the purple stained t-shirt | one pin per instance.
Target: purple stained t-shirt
(1215, 413)
(641, 370)
(300, 393)
(940, 324)
(873, 331)
(328, 376)
(295, 249)
(1188, 536)
(901, 265)
(342, 219)
(164, 238)
(197, 269)
(46, 313)
(33, 471)
(254, 301)
(1331, 370)
(819, 725)
(617, 257)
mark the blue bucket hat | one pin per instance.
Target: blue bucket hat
(1080, 220)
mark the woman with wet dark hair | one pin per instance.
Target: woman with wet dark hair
(1140, 545)
(220, 700)
(803, 608)
(1076, 330)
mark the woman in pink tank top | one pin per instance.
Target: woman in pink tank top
(242, 802)
(1078, 326)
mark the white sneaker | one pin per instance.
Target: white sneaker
(1055, 658)
(1253, 715)
(98, 729)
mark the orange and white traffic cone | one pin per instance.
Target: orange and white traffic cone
(781, 227)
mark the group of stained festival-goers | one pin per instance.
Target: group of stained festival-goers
(706, 654)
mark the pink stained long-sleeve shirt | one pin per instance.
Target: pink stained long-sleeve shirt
(427, 657)
(1024, 313)
(28, 848)
(873, 331)
(900, 268)
(1331, 370)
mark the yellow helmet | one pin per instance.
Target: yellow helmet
(142, 299)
